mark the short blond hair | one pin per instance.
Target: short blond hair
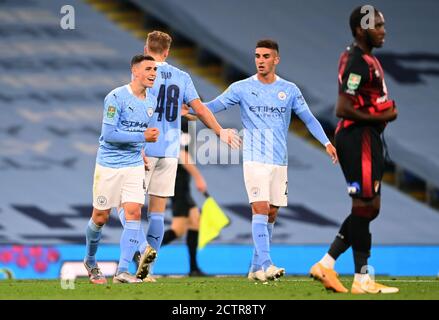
(158, 42)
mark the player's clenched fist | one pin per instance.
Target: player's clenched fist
(151, 134)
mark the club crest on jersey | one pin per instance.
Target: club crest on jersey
(282, 95)
(354, 81)
(150, 112)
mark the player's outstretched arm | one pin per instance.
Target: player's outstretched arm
(229, 136)
(345, 109)
(317, 131)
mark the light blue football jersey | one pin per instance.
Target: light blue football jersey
(265, 115)
(130, 114)
(172, 87)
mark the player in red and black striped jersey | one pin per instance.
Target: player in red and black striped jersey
(365, 110)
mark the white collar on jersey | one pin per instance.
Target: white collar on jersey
(131, 91)
(255, 77)
(161, 63)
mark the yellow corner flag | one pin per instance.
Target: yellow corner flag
(212, 220)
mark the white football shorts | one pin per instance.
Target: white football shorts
(266, 182)
(114, 186)
(160, 178)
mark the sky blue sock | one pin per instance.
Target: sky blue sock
(128, 244)
(92, 236)
(261, 239)
(156, 229)
(141, 236)
(270, 227)
(255, 263)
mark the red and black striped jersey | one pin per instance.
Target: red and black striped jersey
(361, 79)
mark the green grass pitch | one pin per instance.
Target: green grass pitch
(220, 288)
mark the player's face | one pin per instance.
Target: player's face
(145, 72)
(376, 36)
(266, 60)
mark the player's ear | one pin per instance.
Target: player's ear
(277, 59)
(359, 31)
(134, 70)
(166, 53)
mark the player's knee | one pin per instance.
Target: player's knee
(194, 224)
(272, 214)
(133, 211)
(260, 207)
(157, 204)
(180, 230)
(132, 214)
(100, 217)
(100, 221)
(180, 226)
(194, 219)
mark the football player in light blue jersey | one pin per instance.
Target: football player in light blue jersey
(266, 102)
(173, 87)
(119, 173)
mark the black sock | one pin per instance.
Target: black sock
(342, 241)
(360, 261)
(192, 244)
(361, 242)
(168, 236)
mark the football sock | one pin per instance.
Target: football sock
(327, 261)
(261, 239)
(156, 230)
(192, 243)
(128, 244)
(361, 242)
(140, 236)
(342, 241)
(93, 234)
(255, 264)
(270, 227)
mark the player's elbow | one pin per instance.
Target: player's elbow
(111, 140)
(107, 137)
(108, 133)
